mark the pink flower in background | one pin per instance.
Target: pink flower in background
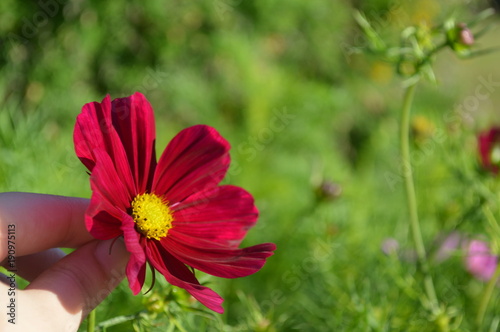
(172, 213)
(479, 261)
(489, 149)
(390, 246)
(448, 246)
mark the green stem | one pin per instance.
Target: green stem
(91, 321)
(411, 199)
(495, 228)
(488, 292)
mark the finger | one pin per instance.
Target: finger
(29, 267)
(36, 222)
(76, 284)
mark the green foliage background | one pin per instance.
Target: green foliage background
(244, 67)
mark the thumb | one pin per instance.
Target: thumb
(76, 284)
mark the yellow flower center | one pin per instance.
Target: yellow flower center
(152, 215)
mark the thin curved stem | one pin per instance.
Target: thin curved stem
(485, 300)
(411, 199)
(488, 292)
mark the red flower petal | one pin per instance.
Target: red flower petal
(135, 244)
(225, 263)
(94, 130)
(133, 120)
(196, 159)
(107, 182)
(102, 218)
(179, 275)
(220, 216)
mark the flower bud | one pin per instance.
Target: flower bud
(328, 191)
(154, 303)
(390, 246)
(465, 36)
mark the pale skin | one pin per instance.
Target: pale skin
(63, 289)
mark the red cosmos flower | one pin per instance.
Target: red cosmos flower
(489, 149)
(172, 213)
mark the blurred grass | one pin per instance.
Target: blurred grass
(239, 66)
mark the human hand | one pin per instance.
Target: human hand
(63, 288)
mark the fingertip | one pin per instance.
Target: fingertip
(112, 254)
(112, 257)
(57, 221)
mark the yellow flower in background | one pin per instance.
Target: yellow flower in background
(424, 12)
(422, 128)
(381, 72)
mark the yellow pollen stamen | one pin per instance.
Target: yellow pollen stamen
(151, 215)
